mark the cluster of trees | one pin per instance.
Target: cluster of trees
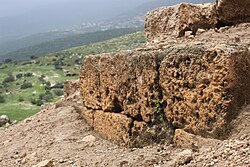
(67, 42)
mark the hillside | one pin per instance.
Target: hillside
(70, 41)
(32, 40)
(46, 72)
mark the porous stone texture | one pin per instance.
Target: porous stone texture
(233, 11)
(176, 20)
(205, 86)
(135, 98)
(121, 89)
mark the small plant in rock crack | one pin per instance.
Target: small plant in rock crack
(158, 104)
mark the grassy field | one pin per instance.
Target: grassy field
(26, 85)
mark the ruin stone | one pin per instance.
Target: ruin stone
(233, 11)
(135, 98)
(205, 86)
(176, 20)
(122, 88)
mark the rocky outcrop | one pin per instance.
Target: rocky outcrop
(205, 86)
(139, 97)
(176, 20)
(121, 89)
(135, 98)
(233, 11)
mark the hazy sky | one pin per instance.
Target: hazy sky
(17, 7)
(24, 17)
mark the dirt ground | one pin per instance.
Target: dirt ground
(63, 137)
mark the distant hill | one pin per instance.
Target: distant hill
(32, 40)
(64, 43)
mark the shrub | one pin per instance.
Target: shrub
(10, 78)
(46, 96)
(18, 76)
(2, 99)
(26, 85)
(37, 102)
(20, 99)
(58, 92)
(58, 85)
(58, 67)
(28, 74)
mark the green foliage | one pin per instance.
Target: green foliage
(10, 78)
(58, 92)
(37, 102)
(22, 103)
(158, 104)
(2, 99)
(18, 76)
(67, 42)
(20, 99)
(26, 85)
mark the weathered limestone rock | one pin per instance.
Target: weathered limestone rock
(176, 20)
(121, 89)
(46, 163)
(126, 82)
(134, 98)
(4, 119)
(204, 86)
(186, 140)
(233, 11)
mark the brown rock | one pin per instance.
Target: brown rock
(134, 96)
(184, 157)
(233, 11)
(112, 126)
(187, 140)
(124, 82)
(124, 96)
(176, 20)
(46, 163)
(205, 86)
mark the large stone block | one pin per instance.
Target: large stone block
(135, 98)
(125, 82)
(120, 87)
(176, 20)
(233, 11)
(204, 86)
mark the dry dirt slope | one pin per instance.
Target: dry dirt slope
(60, 135)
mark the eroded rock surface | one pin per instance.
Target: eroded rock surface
(176, 20)
(139, 97)
(205, 86)
(233, 11)
(123, 88)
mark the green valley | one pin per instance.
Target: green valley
(26, 85)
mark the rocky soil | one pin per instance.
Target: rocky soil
(57, 136)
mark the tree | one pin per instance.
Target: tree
(2, 99)
(10, 78)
